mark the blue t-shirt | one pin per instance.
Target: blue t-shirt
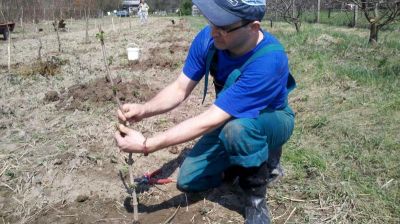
(261, 84)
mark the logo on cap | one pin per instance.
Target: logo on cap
(233, 2)
(254, 2)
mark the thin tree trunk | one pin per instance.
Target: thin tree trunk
(318, 11)
(58, 35)
(34, 14)
(40, 49)
(87, 27)
(112, 21)
(9, 50)
(355, 17)
(22, 22)
(373, 35)
(54, 9)
(297, 25)
(293, 8)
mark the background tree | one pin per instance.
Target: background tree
(185, 7)
(291, 11)
(378, 13)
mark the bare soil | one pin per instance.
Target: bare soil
(100, 91)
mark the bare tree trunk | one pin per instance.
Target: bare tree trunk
(9, 50)
(297, 25)
(55, 24)
(355, 16)
(44, 13)
(87, 27)
(318, 11)
(40, 49)
(373, 35)
(22, 21)
(112, 21)
(34, 14)
(293, 8)
(329, 12)
(54, 9)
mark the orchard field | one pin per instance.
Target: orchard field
(59, 162)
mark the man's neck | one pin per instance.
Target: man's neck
(248, 45)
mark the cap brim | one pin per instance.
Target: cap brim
(215, 14)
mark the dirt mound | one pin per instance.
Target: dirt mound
(178, 48)
(99, 92)
(50, 67)
(162, 58)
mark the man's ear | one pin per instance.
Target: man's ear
(256, 25)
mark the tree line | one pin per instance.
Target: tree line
(378, 13)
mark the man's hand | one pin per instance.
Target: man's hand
(129, 140)
(131, 112)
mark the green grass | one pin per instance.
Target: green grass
(345, 150)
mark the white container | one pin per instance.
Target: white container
(133, 52)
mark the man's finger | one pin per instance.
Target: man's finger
(129, 113)
(118, 138)
(123, 129)
(125, 108)
(121, 116)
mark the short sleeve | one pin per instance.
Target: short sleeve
(195, 62)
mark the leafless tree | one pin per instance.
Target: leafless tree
(291, 11)
(378, 13)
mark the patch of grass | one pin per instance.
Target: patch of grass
(197, 22)
(345, 142)
(304, 159)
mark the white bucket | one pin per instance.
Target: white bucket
(133, 52)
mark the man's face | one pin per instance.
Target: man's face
(228, 37)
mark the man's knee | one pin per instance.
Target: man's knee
(183, 183)
(233, 132)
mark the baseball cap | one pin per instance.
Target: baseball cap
(227, 12)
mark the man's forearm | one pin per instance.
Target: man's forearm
(189, 129)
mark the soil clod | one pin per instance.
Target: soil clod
(82, 198)
(51, 96)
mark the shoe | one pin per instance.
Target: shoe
(275, 175)
(253, 181)
(256, 211)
